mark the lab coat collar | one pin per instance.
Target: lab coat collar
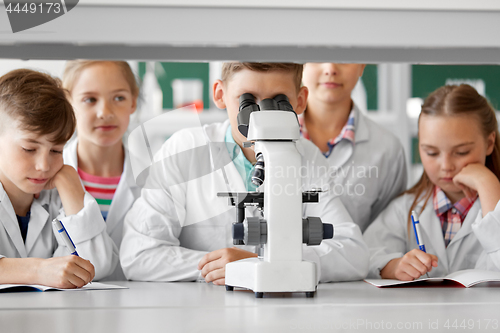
(220, 159)
(124, 196)
(9, 221)
(39, 217)
(432, 230)
(215, 132)
(343, 150)
(466, 227)
(361, 129)
(215, 138)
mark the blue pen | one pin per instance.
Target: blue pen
(65, 236)
(418, 235)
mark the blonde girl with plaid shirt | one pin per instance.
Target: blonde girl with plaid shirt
(457, 196)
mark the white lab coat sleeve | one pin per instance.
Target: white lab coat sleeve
(487, 231)
(387, 236)
(345, 257)
(87, 229)
(150, 249)
(393, 184)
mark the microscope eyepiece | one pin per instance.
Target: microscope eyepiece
(247, 106)
(246, 100)
(268, 104)
(279, 102)
(283, 103)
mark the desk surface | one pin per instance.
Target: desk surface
(200, 307)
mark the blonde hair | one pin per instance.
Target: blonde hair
(230, 68)
(452, 101)
(74, 68)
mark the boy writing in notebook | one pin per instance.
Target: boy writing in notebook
(36, 120)
(179, 230)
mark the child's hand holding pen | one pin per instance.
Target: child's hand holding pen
(411, 266)
(83, 264)
(66, 272)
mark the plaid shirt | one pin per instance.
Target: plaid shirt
(451, 215)
(347, 132)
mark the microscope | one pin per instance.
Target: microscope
(272, 128)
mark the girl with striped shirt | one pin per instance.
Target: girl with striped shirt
(104, 96)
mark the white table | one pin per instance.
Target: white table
(200, 307)
(366, 31)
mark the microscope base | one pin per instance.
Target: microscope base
(262, 276)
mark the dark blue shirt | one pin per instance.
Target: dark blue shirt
(23, 224)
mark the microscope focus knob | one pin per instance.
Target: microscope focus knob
(256, 231)
(327, 231)
(253, 231)
(314, 231)
(238, 233)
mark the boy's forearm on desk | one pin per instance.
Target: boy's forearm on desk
(19, 270)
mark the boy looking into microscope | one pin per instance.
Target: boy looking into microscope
(179, 230)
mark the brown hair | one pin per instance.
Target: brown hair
(230, 68)
(460, 100)
(73, 69)
(38, 101)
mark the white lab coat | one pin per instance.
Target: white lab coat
(369, 176)
(126, 194)
(179, 218)
(475, 245)
(86, 229)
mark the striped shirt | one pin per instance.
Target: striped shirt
(451, 215)
(101, 188)
(347, 132)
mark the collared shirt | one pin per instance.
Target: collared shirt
(347, 132)
(241, 163)
(451, 215)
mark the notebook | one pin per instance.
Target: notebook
(467, 278)
(37, 287)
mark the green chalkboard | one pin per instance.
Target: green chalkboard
(170, 71)
(415, 155)
(427, 78)
(370, 81)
